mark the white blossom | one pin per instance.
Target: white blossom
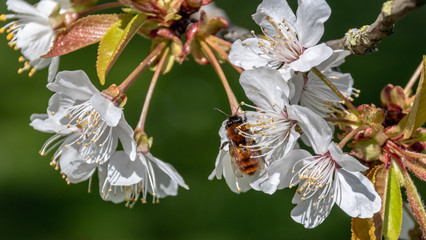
(291, 41)
(33, 32)
(82, 119)
(312, 92)
(329, 177)
(275, 123)
(125, 180)
(237, 181)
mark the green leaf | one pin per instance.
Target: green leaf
(82, 33)
(417, 116)
(114, 41)
(415, 202)
(393, 209)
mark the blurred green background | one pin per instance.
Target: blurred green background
(36, 203)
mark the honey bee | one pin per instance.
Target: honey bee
(245, 158)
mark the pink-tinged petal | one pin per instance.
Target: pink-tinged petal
(124, 172)
(53, 69)
(265, 88)
(346, 161)
(311, 57)
(336, 59)
(75, 84)
(276, 9)
(355, 194)
(313, 126)
(309, 215)
(247, 54)
(125, 134)
(311, 15)
(106, 109)
(75, 167)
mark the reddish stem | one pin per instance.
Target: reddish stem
(138, 71)
(99, 8)
(142, 119)
(233, 103)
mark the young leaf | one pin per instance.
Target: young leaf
(114, 41)
(393, 208)
(82, 33)
(417, 116)
(415, 202)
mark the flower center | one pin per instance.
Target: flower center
(315, 178)
(268, 128)
(89, 133)
(281, 42)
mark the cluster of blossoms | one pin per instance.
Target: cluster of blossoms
(87, 124)
(291, 78)
(290, 102)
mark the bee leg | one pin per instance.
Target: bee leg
(223, 145)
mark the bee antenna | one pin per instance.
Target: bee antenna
(217, 109)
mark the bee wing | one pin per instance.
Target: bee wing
(234, 156)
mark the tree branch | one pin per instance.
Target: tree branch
(365, 40)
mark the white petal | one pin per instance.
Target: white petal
(125, 134)
(53, 69)
(22, 7)
(276, 9)
(165, 173)
(117, 196)
(46, 7)
(248, 56)
(231, 179)
(75, 84)
(74, 166)
(283, 168)
(335, 60)
(34, 40)
(124, 172)
(311, 15)
(308, 214)
(346, 161)
(265, 88)
(311, 57)
(356, 195)
(41, 122)
(298, 83)
(108, 111)
(218, 170)
(313, 126)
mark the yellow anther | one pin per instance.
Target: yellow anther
(3, 18)
(21, 59)
(20, 71)
(2, 30)
(15, 48)
(32, 72)
(9, 36)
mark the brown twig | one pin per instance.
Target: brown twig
(366, 39)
